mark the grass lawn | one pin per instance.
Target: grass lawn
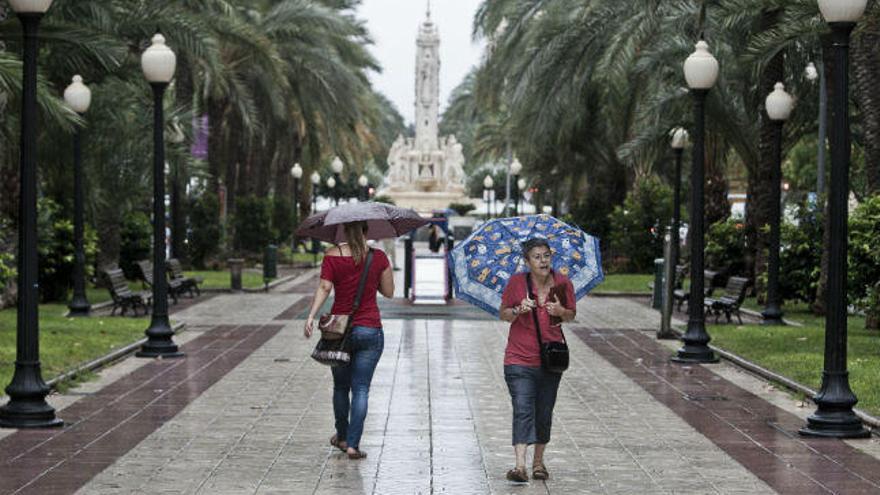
(797, 352)
(220, 279)
(67, 342)
(306, 257)
(626, 282)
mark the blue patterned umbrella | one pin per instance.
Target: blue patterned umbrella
(484, 262)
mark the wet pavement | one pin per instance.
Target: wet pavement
(247, 411)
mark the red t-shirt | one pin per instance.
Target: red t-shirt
(345, 275)
(522, 341)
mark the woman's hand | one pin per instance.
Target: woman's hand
(309, 328)
(526, 305)
(554, 308)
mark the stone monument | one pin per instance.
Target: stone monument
(426, 172)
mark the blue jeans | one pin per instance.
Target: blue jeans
(366, 349)
(533, 395)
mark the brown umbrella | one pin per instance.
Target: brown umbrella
(383, 221)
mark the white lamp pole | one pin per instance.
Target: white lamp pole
(159, 63)
(834, 416)
(701, 72)
(488, 184)
(363, 182)
(27, 406)
(337, 167)
(515, 169)
(78, 97)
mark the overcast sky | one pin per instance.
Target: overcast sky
(394, 25)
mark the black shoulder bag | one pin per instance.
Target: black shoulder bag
(554, 355)
(335, 351)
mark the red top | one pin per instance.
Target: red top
(345, 275)
(522, 342)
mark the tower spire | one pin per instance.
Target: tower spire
(428, 11)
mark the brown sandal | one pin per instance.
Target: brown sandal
(334, 441)
(357, 454)
(518, 475)
(539, 472)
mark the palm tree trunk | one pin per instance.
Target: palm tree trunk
(866, 92)
(717, 204)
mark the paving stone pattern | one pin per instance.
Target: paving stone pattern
(439, 422)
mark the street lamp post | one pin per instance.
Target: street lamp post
(515, 169)
(337, 167)
(158, 63)
(488, 183)
(520, 187)
(779, 105)
(813, 73)
(316, 245)
(27, 406)
(363, 194)
(701, 73)
(78, 98)
(834, 416)
(678, 142)
(297, 172)
(331, 184)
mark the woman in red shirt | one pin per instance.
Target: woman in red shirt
(533, 389)
(340, 272)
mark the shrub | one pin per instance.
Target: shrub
(56, 251)
(253, 224)
(383, 199)
(135, 242)
(726, 248)
(204, 233)
(800, 259)
(283, 221)
(864, 255)
(637, 226)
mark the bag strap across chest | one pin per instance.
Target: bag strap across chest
(534, 311)
(362, 283)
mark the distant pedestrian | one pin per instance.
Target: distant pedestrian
(550, 296)
(341, 272)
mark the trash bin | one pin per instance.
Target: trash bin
(657, 294)
(235, 266)
(270, 263)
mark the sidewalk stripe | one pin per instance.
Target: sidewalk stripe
(760, 436)
(103, 427)
(294, 309)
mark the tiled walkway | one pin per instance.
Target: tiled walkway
(247, 411)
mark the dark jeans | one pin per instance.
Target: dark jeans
(366, 349)
(533, 395)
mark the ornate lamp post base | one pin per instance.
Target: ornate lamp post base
(772, 315)
(159, 341)
(27, 407)
(79, 307)
(834, 416)
(696, 348)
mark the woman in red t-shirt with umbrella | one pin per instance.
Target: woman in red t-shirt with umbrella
(532, 388)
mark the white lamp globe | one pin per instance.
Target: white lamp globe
(78, 96)
(30, 6)
(297, 172)
(521, 184)
(331, 182)
(701, 68)
(337, 165)
(363, 181)
(316, 178)
(842, 10)
(488, 182)
(515, 167)
(811, 72)
(679, 138)
(779, 104)
(158, 61)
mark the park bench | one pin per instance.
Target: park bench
(729, 302)
(123, 297)
(189, 284)
(681, 296)
(175, 288)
